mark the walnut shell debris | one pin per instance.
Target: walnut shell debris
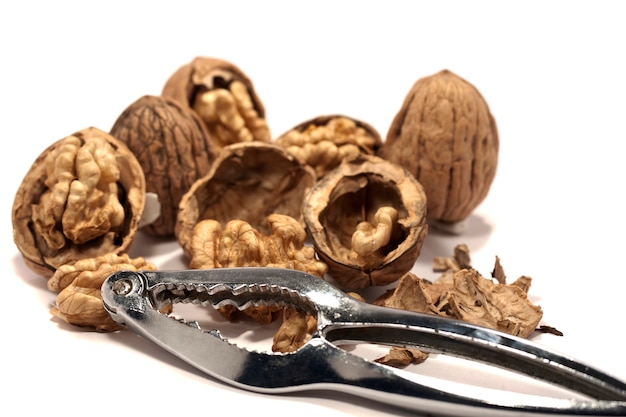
(366, 220)
(224, 98)
(248, 181)
(82, 197)
(172, 146)
(446, 136)
(323, 142)
(79, 301)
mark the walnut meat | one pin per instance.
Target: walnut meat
(248, 181)
(323, 142)
(224, 98)
(445, 135)
(79, 301)
(173, 148)
(82, 197)
(366, 219)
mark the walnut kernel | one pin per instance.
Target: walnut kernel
(82, 197)
(224, 98)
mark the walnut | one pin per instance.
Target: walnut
(248, 181)
(323, 142)
(224, 98)
(446, 136)
(366, 220)
(82, 197)
(79, 301)
(238, 244)
(173, 148)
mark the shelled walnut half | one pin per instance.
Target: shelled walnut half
(248, 181)
(224, 98)
(323, 142)
(82, 197)
(366, 219)
(172, 146)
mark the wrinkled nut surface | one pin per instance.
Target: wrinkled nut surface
(445, 135)
(224, 98)
(79, 301)
(366, 220)
(248, 181)
(173, 148)
(323, 142)
(82, 197)
(238, 244)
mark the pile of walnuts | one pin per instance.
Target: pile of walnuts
(198, 163)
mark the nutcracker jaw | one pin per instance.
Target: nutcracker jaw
(133, 299)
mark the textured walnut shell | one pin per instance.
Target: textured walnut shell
(350, 137)
(131, 194)
(445, 135)
(173, 148)
(353, 193)
(248, 181)
(206, 73)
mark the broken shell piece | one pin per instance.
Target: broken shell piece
(82, 197)
(248, 181)
(366, 220)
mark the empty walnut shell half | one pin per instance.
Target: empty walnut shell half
(323, 142)
(224, 98)
(445, 135)
(248, 181)
(173, 148)
(366, 220)
(82, 197)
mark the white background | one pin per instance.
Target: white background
(553, 74)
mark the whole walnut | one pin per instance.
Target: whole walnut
(446, 136)
(172, 146)
(224, 98)
(367, 221)
(82, 197)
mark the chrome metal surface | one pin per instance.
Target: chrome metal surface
(134, 298)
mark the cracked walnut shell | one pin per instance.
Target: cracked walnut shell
(323, 142)
(224, 98)
(173, 148)
(82, 197)
(248, 181)
(366, 219)
(446, 136)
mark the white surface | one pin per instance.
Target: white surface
(552, 73)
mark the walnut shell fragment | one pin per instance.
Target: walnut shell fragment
(224, 98)
(172, 146)
(82, 197)
(79, 301)
(323, 142)
(446, 136)
(248, 181)
(366, 220)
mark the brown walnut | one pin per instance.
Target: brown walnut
(82, 197)
(323, 142)
(248, 181)
(445, 135)
(172, 146)
(224, 98)
(366, 220)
